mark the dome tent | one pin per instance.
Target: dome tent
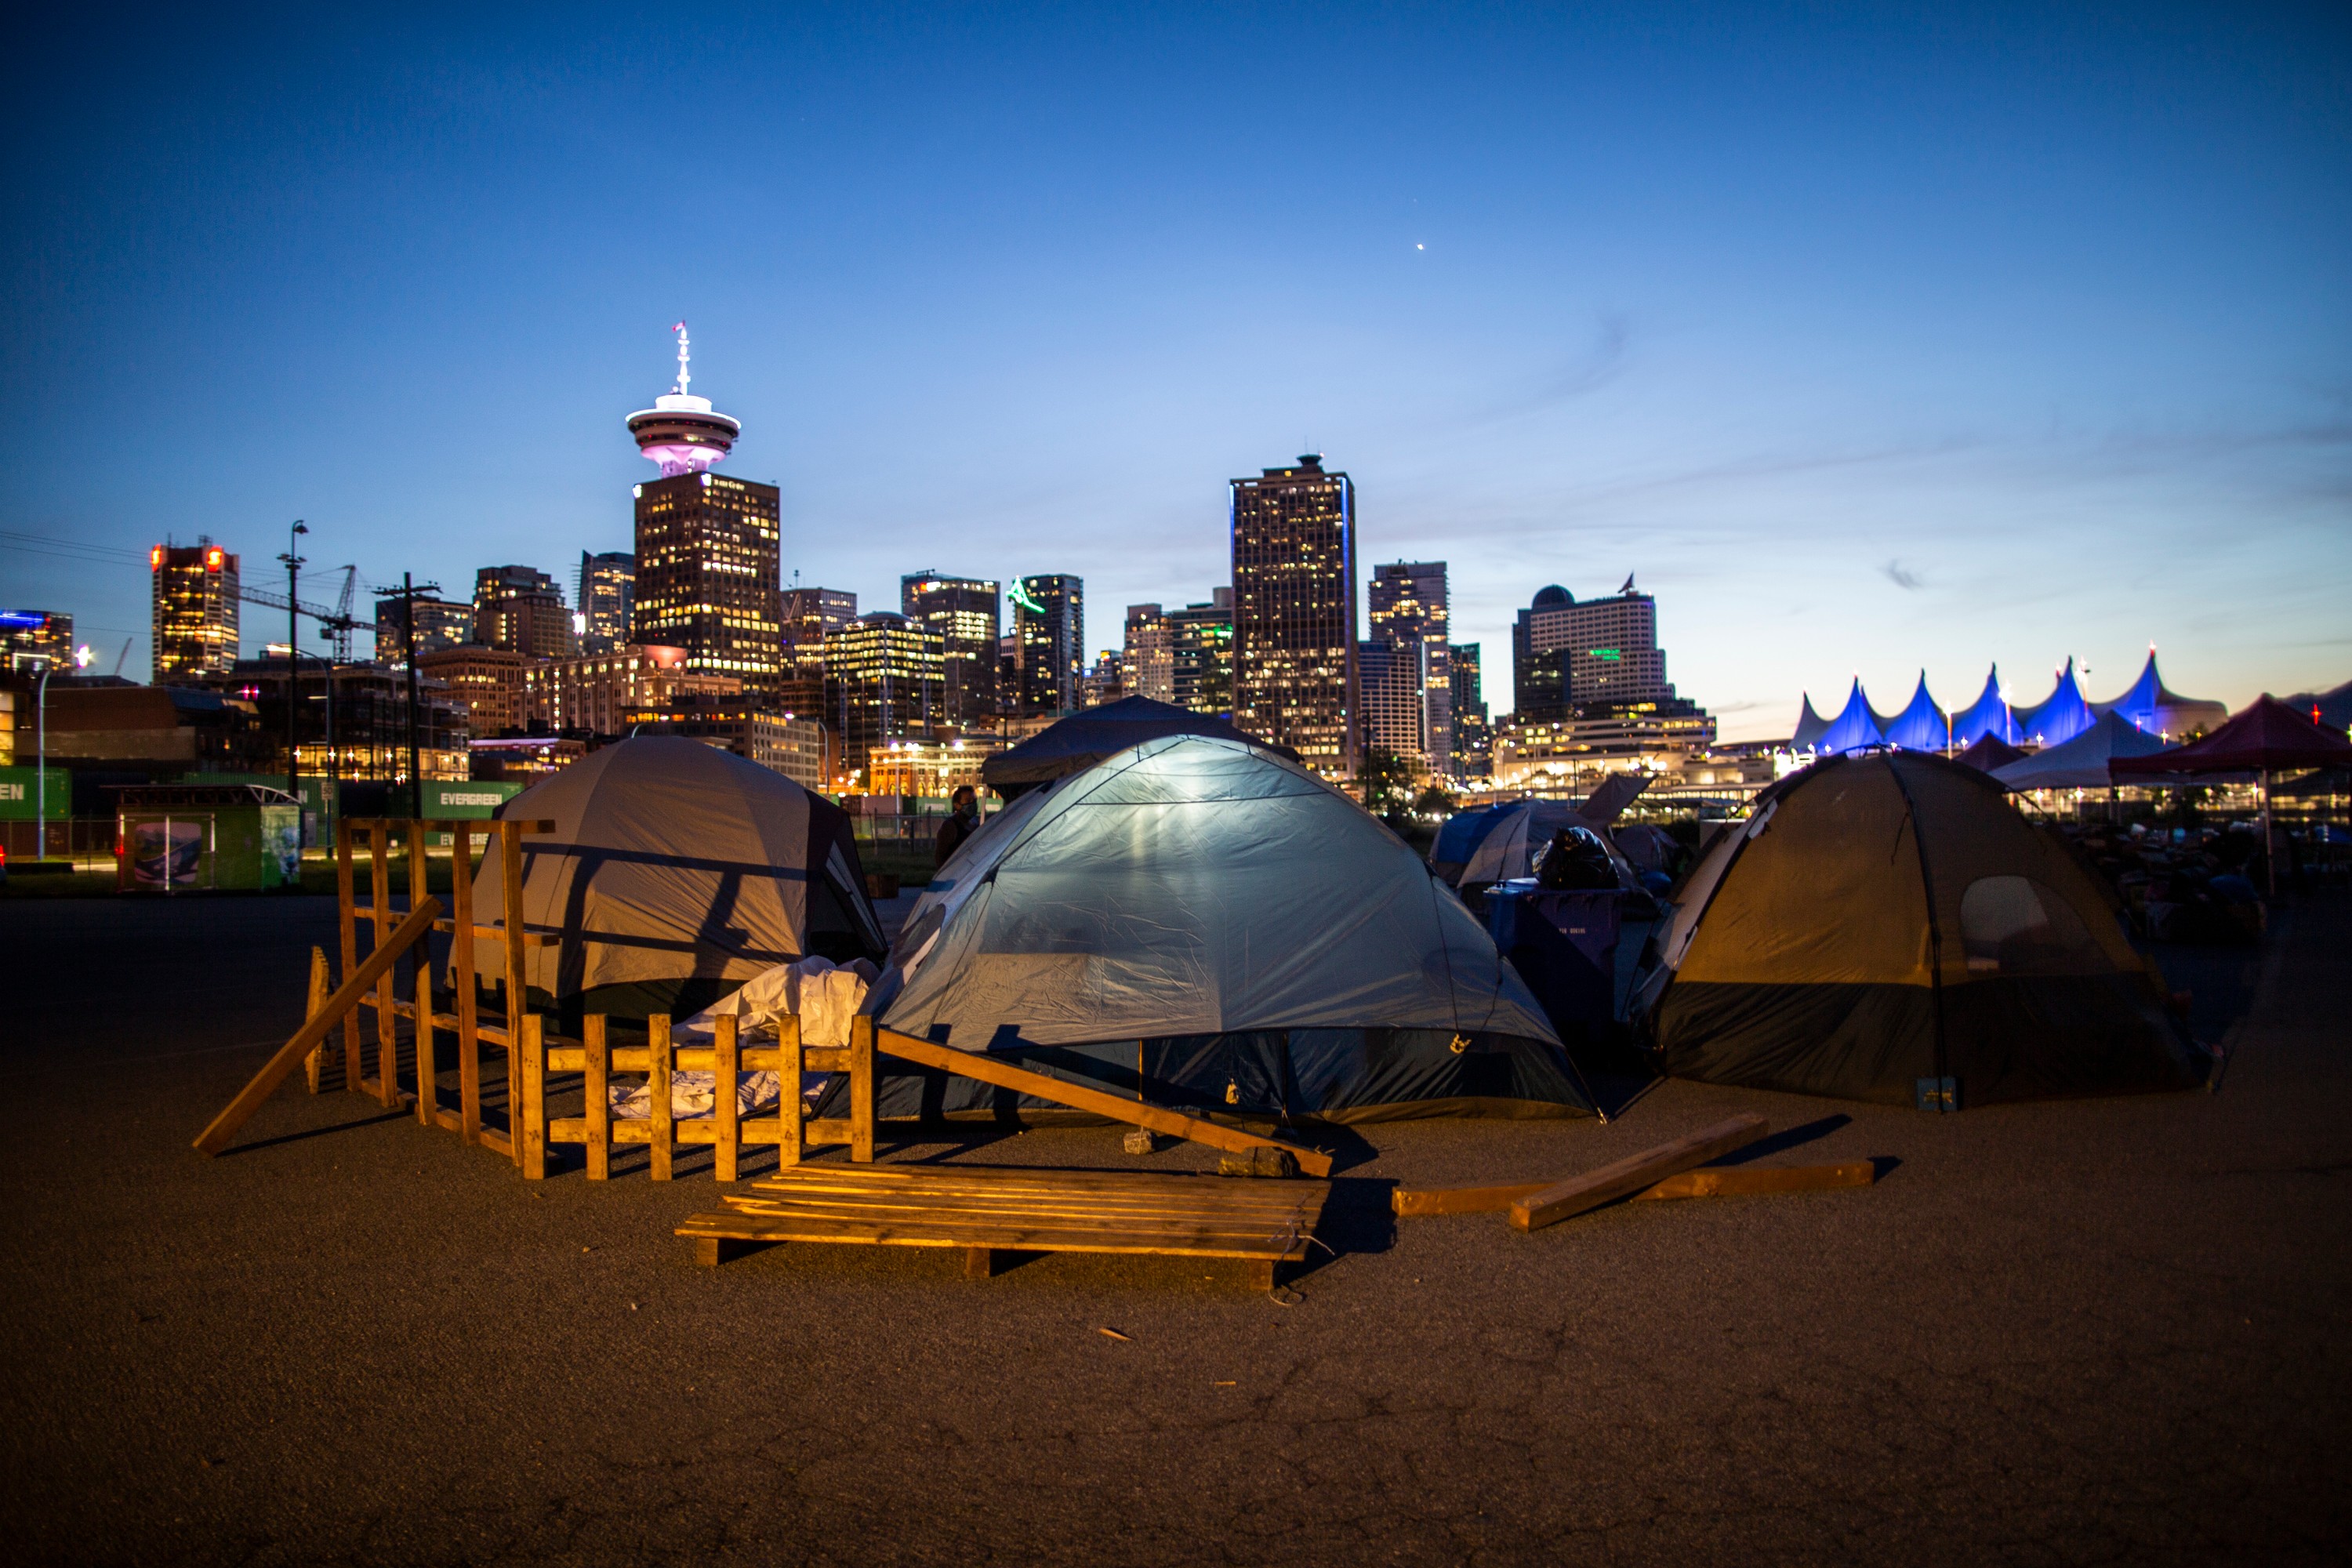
(677, 871)
(1884, 923)
(1213, 925)
(1082, 740)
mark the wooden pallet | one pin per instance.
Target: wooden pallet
(990, 1211)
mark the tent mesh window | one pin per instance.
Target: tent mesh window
(2015, 925)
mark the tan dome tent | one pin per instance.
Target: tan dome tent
(675, 872)
(1886, 927)
(1212, 924)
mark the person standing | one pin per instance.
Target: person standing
(964, 818)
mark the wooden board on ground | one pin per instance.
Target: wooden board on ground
(1707, 1181)
(1631, 1174)
(988, 1211)
(1062, 1092)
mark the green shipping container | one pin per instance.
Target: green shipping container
(20, 794)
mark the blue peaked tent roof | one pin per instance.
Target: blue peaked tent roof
(1987, 715)
(1919, 727)
(1810, 726)
(2160, 710)
(2060, 717)
(1853, 728)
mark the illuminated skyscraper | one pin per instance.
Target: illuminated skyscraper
(1408, 610)
(1203, 636)
(709, 577)
(1295, 613)
(882, 683)
(1049, 630)
(195, 590)
(967, 612)
(608, 593)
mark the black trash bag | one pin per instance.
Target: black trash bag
(1575, 860)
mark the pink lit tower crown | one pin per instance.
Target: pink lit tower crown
(682, 432)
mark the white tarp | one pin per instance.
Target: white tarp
(824, 997)
(1194, 886)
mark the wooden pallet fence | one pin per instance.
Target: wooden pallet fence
(337, 1009)
(598, 1062)
(379, 837)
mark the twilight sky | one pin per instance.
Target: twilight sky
(1869, 339)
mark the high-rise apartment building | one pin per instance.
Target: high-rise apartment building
(522, 609)
(968, 612)
(709, 576)
(1148, 657)
(607, 596)
(1474, 733)
(1049, 630)
(884, 679)
(439, 624)
(810, 615)
(1201, 638)
(1408, 604)
(1295, 680)
(1391, 701)
(195, 600)
(1564, 653)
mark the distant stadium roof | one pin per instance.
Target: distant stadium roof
(1810, 726)
(2060, 717)
(1987, 715)
(2160, 711)
(1853, 729)
(1921, 726)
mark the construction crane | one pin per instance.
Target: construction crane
(338, 623)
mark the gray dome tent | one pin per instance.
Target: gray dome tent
(1082, 740)
(676, 872)
(1887, 922)
(1212, 924)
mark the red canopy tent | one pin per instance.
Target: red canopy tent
(2267, 736)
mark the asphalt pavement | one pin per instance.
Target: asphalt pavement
(2098, 1331)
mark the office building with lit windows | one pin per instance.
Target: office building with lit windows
(1148, 655)
(607, 594)
(1202, 655)
(708, 576)
(521, 609)
(884, 681)
(1474, 733)
(1049, 639)
(1564, 653)
(439, 624)
(1293, 533)
(35, 640)
(1408, 611)
(968, 612)
(195, 600)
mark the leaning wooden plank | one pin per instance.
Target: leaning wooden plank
(1728, 1182)
(1061, 1091)
(1631, 1174)
(215, 1138)
(1742, 1181)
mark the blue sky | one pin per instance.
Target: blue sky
(1869, 339)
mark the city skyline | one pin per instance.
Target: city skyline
(2018, 343)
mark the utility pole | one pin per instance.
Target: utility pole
(408, 637)
(293, 668)
(41, 766)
